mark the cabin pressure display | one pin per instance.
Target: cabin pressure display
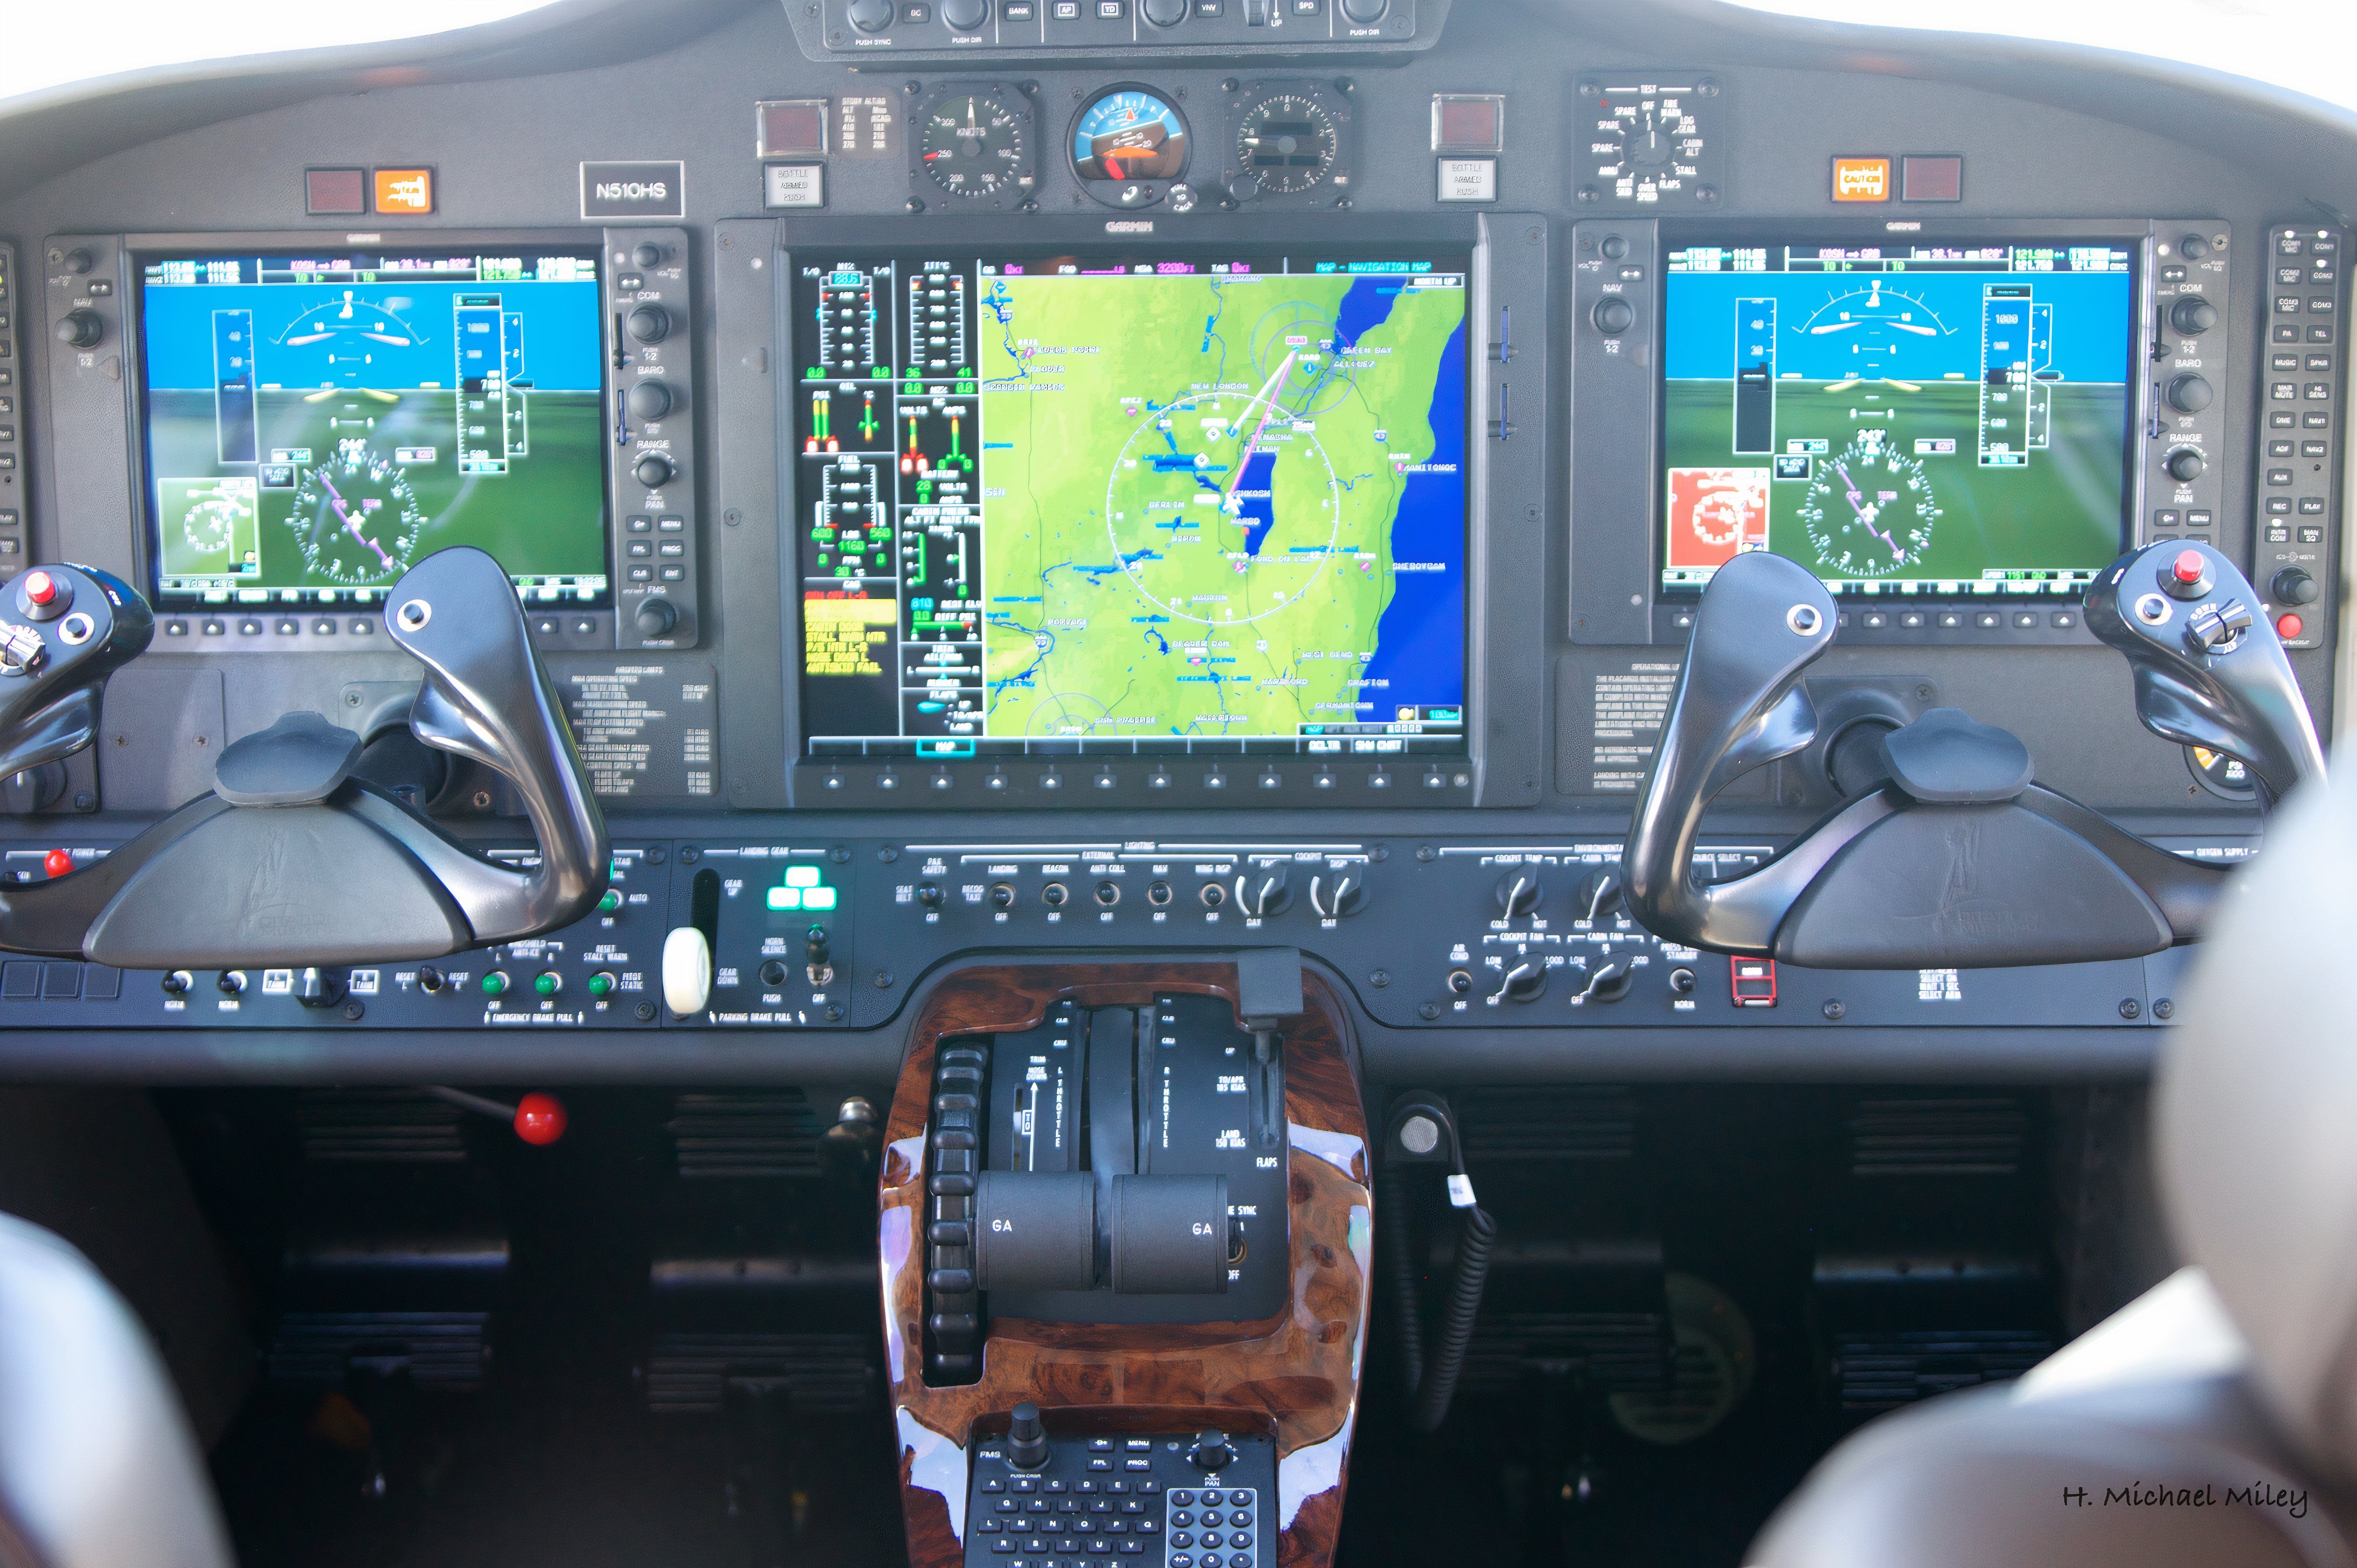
(1920, 419)
(1110, 507)
(317, 425)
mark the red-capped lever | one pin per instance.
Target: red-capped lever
(57, 862)
(538, 1119)
(40, 588)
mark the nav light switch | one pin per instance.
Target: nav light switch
(1468, 179)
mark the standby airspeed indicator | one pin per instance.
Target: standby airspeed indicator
(974, 145)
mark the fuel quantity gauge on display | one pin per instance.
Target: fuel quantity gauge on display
(1130, 148)
(1288, 140)
(973, 145)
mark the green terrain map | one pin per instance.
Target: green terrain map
(1192, 485)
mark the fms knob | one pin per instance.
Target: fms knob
(2192, 316)
(2184, 464)
(656, 617)
(2189, 394)
(1211, 1450)
(1262, 891)
(2294, 586)
(81, 330)
(1519, 891)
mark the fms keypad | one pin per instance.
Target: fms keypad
(1128, 1500)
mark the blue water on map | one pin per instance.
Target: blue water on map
(1420, 641)
(1256, 512)
(1366, 305)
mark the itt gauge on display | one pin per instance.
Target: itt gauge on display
(1648, 141)
(972, 148)
(1130, 147)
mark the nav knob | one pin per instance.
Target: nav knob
(2192, 316)
(2189, 394)
(1026, 1440)
(2294, 586)
(654, 470)
(1526, 981)
(1613, 315)
(2184, 464)
(651, 324)
(80, 329)
(1211, 1450)
(1262, 891)
(657, 617)
(1519, 891)
(650, 400)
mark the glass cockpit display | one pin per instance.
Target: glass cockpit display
(1112, 505)
(316, 424)
(1900, 419)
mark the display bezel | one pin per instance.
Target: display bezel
(1492, 682)
(2134, 236)
(138, 250)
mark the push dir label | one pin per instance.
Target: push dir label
(634, 190)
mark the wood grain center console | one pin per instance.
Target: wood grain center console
(1101, 1197)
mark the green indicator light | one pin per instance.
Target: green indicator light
(788, 897)
(802, 876)
(816, 897)
(611, 901)
(495, 983)
(601, 984)
(548, 983)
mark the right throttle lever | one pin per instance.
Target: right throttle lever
(2210, 671)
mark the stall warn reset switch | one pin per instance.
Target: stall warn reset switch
(1754, 980)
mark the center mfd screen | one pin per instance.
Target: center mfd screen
(316, 424)
(1898, 419)
(1107, 505)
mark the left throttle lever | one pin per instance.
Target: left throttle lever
(63, 630)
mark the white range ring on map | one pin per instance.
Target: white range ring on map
(1276, 580)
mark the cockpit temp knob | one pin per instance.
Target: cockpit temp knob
(1520, 892)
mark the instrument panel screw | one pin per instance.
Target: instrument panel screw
(840, 855)
(834, 1013)
(887, 854)
(354, 1012)
(689, 854)
(1427, 1011)
(1380, 979)
(85, 801)
(2130, 1007)
(1832, 1008)
(2163, 1007)
(1588, 193)
(1923, 692)
(1379, 853)
(883, 980)
(646, 1012)
(1706, 194)
(657, 854)
(1427, 853)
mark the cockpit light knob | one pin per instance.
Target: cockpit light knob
(1262, 890)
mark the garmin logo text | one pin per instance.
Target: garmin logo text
(1129, 225)
(633, 191)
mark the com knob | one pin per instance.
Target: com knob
(1337, 895)
(650, 400)
(1262, 890)
(1525, 982)
(2192, 316)
(81, 330)
(657, 617)
(2189, 394)
(1519, 891)
(2294, 586)
(650, 324)
(2184, 464)
(1163, 13)
(1613, 315)
(654, 470)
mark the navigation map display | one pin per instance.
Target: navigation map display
(316, 425)
(1900, 419)
(1117, 506)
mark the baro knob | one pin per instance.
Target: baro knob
(2189, 394)
(650, 400)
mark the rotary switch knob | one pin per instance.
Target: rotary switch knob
(81, 330)
(1212, 1451)
(1262, 890)
(2189, 394)
(1525, 982)
(2184, 464)
(1337, 895)
(1519, 891)
(2192, 316)
(1599, 897)
(2293, 586)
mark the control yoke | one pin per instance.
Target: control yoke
(1958, 858)
(292, 860)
